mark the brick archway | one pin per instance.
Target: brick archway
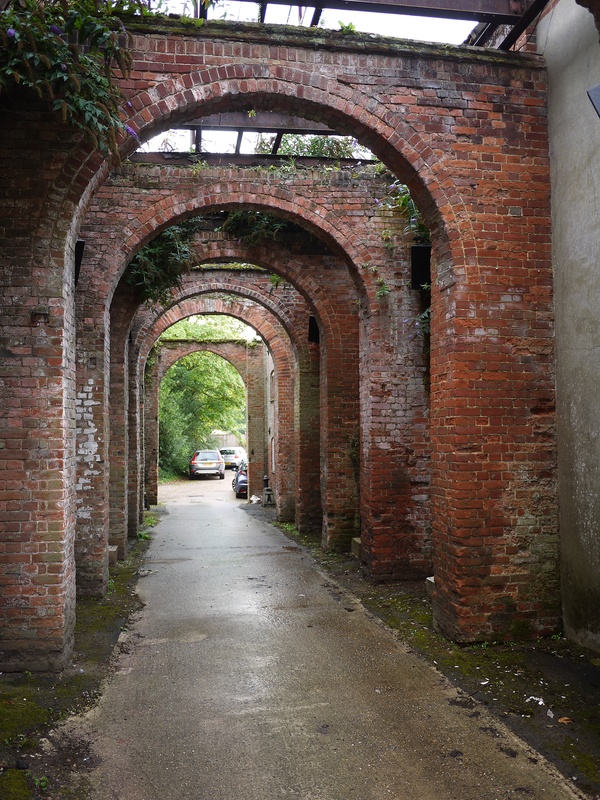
(133, 209)
(467, 132)
(328, 312)
(126, 484)
(290, 314)
(249, 361)
(279, 346)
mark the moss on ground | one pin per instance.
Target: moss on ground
(31, 704)
(14, 785)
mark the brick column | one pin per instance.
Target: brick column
(339, 422)
(37, 385)
(135, 422)
(151, 387)
(309, 513)
(394, 446)
(255, 379)
(119, 441)
(91, 543)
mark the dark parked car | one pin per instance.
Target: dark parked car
(207, 462)
(239, 484)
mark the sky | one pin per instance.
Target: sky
(425, 29)
(397, 25)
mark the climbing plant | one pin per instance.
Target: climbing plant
(399, 199)
(256, 227)
(155, 271)
(66, 53)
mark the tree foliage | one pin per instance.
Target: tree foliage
(213, 327)
(199, 393)
(295, 145)
(66, 52)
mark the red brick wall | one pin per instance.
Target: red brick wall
(468, 134)
(467, 131)
(37, 399)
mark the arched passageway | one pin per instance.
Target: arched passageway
(283, 358)
(466, 152)
(251, 361)
(324, 280)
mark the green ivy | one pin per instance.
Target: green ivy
(155, 271)
(66, 53)
(255, 227)
(400, 200)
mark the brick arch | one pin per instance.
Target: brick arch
(110, 260)
(267, 326)
(165, 211)
(297, 269)
(199, 283)
(338, 419)
(225, 350)
(274, 335)
(346, 109)
(289, 309)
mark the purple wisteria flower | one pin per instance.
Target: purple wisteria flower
(131, 132)
(11, 32)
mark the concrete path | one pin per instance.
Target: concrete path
(250, 676)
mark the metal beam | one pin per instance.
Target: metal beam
(241, 160)
(498, 11)
(238, 143)
(316, 15)
(533, 11)
(276, 143)
(260, 122)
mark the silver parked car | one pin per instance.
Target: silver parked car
(207, 462)
(233, 456)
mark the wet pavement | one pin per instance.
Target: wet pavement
(251, 675)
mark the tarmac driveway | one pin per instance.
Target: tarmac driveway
(250, 675)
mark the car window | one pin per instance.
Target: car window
(225, 452)
(207, 455)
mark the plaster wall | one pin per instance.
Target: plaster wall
(569, 41)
